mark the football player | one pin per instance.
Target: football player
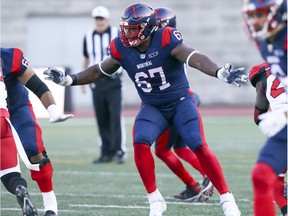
(17, 75)
(9, 167)
(154, 62)
(170, 138)
(260, 77)
(267, 24)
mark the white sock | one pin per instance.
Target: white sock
(50, 202)
(227, 197)
(156, 195)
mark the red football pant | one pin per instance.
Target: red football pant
(8, 147)
(263, 179)
(188, 155)
(43, 177)
(212, 168)
(145, 164)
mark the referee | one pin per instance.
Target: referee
(107, 98)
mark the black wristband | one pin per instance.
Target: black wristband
(74, 79)
(216, 74)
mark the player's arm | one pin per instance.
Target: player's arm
(203, 63)
(261, 102)
(106, 67)
(195, 59)
(40, 89)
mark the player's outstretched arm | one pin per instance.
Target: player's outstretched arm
(40, 89)
(105, 68)
(261, 102)
(203, 63)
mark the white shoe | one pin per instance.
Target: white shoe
(157, 203)
(229, 205)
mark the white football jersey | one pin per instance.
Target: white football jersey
(276, 94)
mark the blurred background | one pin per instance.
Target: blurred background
(50, 32)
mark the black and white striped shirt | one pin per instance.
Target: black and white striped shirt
(96, 46)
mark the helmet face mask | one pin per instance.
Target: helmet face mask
(132, 35)
(137, 25)
(257, 24)
(261, 18)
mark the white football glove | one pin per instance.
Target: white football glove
(58, 77)
(272, 122)
(56, 116)
(232, 76)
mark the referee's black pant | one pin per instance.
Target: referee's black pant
(107, 100)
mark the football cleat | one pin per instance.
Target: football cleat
(50, 213)
(157, 203)
(25, 202)
(191, 193)
(229, 205)
(207, 190)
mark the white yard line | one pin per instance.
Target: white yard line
(121, 196)
(109, 206)
(39, 210)
(139, 207)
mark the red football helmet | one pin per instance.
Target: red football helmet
(137, 24)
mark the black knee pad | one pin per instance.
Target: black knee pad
(12, 180)
(44, 161)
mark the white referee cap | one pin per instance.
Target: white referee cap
(100, 11)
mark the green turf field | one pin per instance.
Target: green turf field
(111, 189)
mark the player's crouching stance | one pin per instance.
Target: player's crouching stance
(17, 74)
(9, 167)
(154, 62)
(171, 139)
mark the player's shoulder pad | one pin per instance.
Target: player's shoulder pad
(114, 46)
(256, 73)
(13, 61)
(170, 35)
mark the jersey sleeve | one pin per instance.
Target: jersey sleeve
(114, 49)
(14, 61)
(171, 38)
